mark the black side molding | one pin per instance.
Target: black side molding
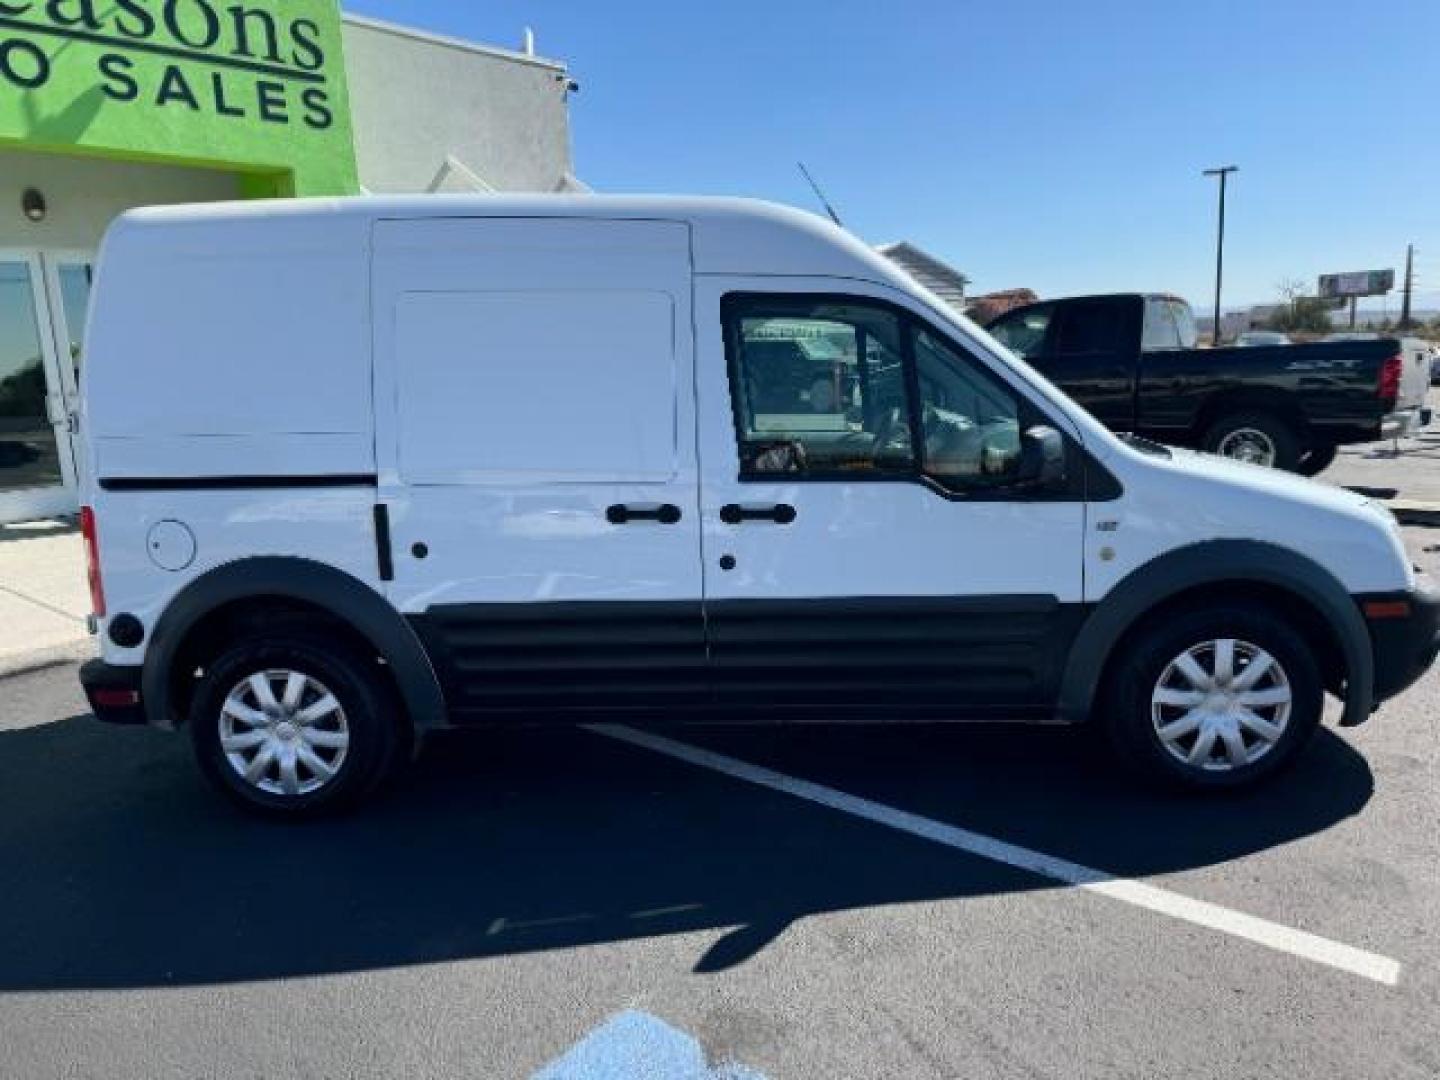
(235, 483)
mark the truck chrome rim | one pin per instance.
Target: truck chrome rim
(1221, 705)
(284, 732)
(1249, 445)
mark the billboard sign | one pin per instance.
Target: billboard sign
(1365, 283)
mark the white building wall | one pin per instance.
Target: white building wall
(436, 114)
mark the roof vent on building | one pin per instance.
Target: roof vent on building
(529, 42)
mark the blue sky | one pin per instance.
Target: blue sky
(1053, 143)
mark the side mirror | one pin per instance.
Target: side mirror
(1042, 458)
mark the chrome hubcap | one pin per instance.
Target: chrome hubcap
(284, 733)
(1248, 445)
(1221, 705)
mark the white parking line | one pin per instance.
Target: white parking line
(1308, 946)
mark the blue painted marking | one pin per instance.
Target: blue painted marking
(634, 1045)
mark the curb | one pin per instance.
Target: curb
(70, 652)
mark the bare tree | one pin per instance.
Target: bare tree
(1292, 289)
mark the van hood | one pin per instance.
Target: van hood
(1275, 482)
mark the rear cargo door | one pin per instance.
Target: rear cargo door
(536, 439)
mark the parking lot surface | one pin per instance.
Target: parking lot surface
(537, 898)
(1408, 469)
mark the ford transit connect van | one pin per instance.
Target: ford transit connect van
(362, 469)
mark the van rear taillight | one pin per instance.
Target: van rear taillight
(92, 560)
(1390, 373)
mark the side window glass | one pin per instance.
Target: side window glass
(1023, 332)
(971, 419)
(1092, 328)
(1160, 329)
(1185, 322)
(819, 388)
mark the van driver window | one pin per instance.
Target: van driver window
(971, 420)
(819, 388)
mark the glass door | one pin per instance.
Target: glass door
(68, 277)
(43, 300)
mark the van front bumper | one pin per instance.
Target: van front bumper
(113, 692)
(1404, 634)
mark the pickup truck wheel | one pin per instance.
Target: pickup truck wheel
(1316, 460)
(293, 727)
(1259, 438)
(1219, 698)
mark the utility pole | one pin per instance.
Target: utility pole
(1409, 286)
(1223, 173)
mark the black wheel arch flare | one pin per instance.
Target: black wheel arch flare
(289, 578)
(1218, 562)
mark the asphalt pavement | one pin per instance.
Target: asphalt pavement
(544, 903)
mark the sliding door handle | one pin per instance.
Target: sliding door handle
(735, 514)
(665, 514)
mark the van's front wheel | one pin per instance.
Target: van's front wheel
(292, 727)
(1218, 698)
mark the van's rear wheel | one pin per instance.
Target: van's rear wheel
(1218, 698)
(293, 727)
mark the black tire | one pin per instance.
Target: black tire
(1281, 436)
(1316, 460)
(1146, 656)
(375, 722)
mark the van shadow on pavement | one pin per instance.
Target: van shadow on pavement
(119, 868)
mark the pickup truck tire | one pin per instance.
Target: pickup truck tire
(1220, 697)
(1260, 438)
(1316, 460)
(292, 726)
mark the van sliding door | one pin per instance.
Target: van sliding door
(536, 438)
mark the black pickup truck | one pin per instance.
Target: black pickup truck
(1131, 359)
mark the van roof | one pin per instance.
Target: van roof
(728, 235)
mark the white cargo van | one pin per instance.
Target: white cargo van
(362, 469)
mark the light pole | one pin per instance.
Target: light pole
(1223, 172)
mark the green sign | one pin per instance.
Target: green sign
(255, 87)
